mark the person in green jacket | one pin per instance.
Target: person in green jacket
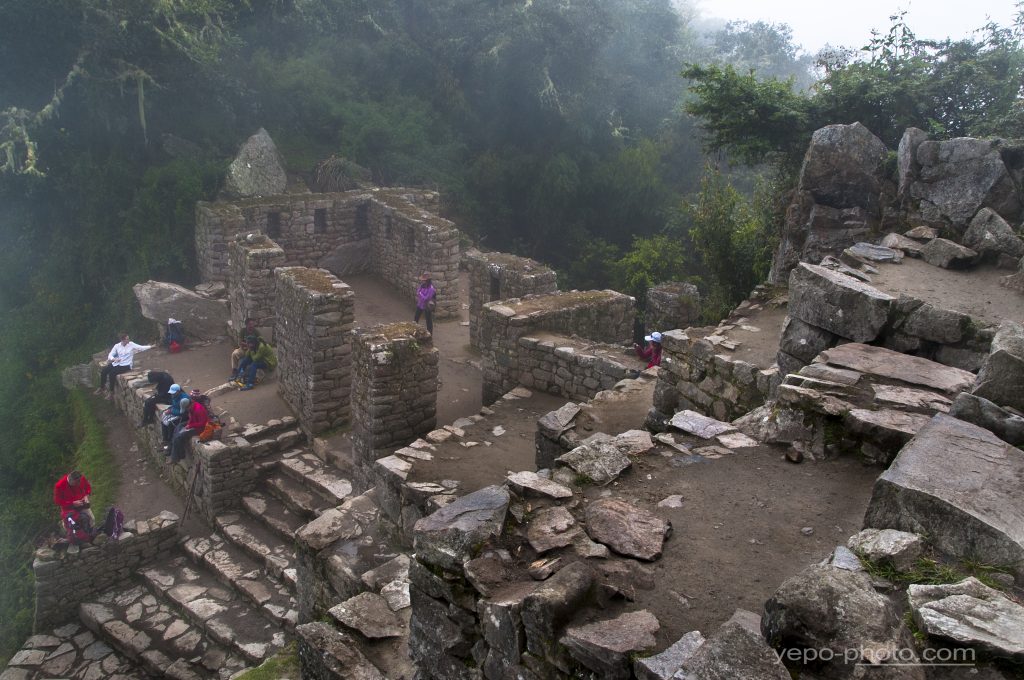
(259, 355)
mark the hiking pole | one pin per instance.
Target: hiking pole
(191, 492)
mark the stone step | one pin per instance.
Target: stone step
(70, 651)
(307, 503)
(235, 569)
(273, 514)
(264, 546)
(312, 473)
(228, 618)
(152, 634)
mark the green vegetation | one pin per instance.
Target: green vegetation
(282, 666)
(93, 457)
(933, 571)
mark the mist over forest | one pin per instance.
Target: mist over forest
(623, 142)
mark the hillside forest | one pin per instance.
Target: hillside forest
(623, 142)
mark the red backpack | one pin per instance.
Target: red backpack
(78, 527)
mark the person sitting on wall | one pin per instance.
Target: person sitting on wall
(163, 382)
(119, 361)
(172, 416)
(243, 347)
(260, 355)
(71, 494)
(198, 417)
(652, 352)
(426, 301)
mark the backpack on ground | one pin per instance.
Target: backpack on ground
(174, 336)
(78, 528)
(212, 430)
(113, 525)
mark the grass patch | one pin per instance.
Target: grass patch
(92, 456)
(929, 571)
(282, 666)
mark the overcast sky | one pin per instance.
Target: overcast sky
(849, 22)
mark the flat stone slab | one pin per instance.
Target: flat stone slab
(557, 422)
(396, 569)
(736, 440)
(453, 534)
(837, 303)
(605, 647)
(633, 442)
(664, 665)
(901, 242)
(959, 485)
(970, 613)
(369, 614)
(700, 425)
(627, 529)
(599, 462)
(534, 483)
(873, 253)
(897, 366)
(552, 528)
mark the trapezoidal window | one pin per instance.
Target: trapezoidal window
(320, 220)
(362, 224)
(387, 228)
(408, 240)
(274, 224)
(495, 287)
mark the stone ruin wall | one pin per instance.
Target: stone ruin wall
(407, 241)
(251, 288)
(671, 305)
(511, 358)
(394, 389)
(63, 584)
(500, 276)
(312, 334)
(696, 375)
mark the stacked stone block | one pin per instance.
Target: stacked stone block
(602, 316)
(315, 315)
(251, 280)
(313, 229)
(394, 389)
(500, 276)
(695, 376)
(671, 305)
(408, 241)
(63, 584)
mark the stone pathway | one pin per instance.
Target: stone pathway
(73, 652)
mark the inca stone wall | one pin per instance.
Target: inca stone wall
(508, 359)
(394, 389)
(315, 315)
(251, 280)
(671, 305)
(63, 584)
(499, 276)
(408, 241)
(313, 229)
(696, 376)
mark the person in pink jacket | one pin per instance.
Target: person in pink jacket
(426, 300)
(197, 420)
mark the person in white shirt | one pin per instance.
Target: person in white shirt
(119, 361)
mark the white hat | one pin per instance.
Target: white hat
(174, 389)
(653, 337)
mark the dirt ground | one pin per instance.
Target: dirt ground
(975, 292)
(738, 535)
(757, 330)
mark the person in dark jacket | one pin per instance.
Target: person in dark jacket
(163, 382)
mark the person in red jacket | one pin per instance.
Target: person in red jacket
(71, 494)
(197, 420)
(652, 352)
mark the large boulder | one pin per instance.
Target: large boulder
(991, 235)
(837, 303)
(1002, 375)
(804, 341)
(627, 529)
(958, 177)
(735, 650)
(607, 647)
(258, 169)
(944, 253)
(959, 485)
(900, 549)
(838, 197)
(885, 363)
(203, 318)
(907, 166)
(824, 608)
(456, 532)
(974, 409)
(970, 613)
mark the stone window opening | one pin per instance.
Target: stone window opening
(387, 227)
(273, 224)
(408, 240)
(320, 220)
(362, 221)
(495, 287)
